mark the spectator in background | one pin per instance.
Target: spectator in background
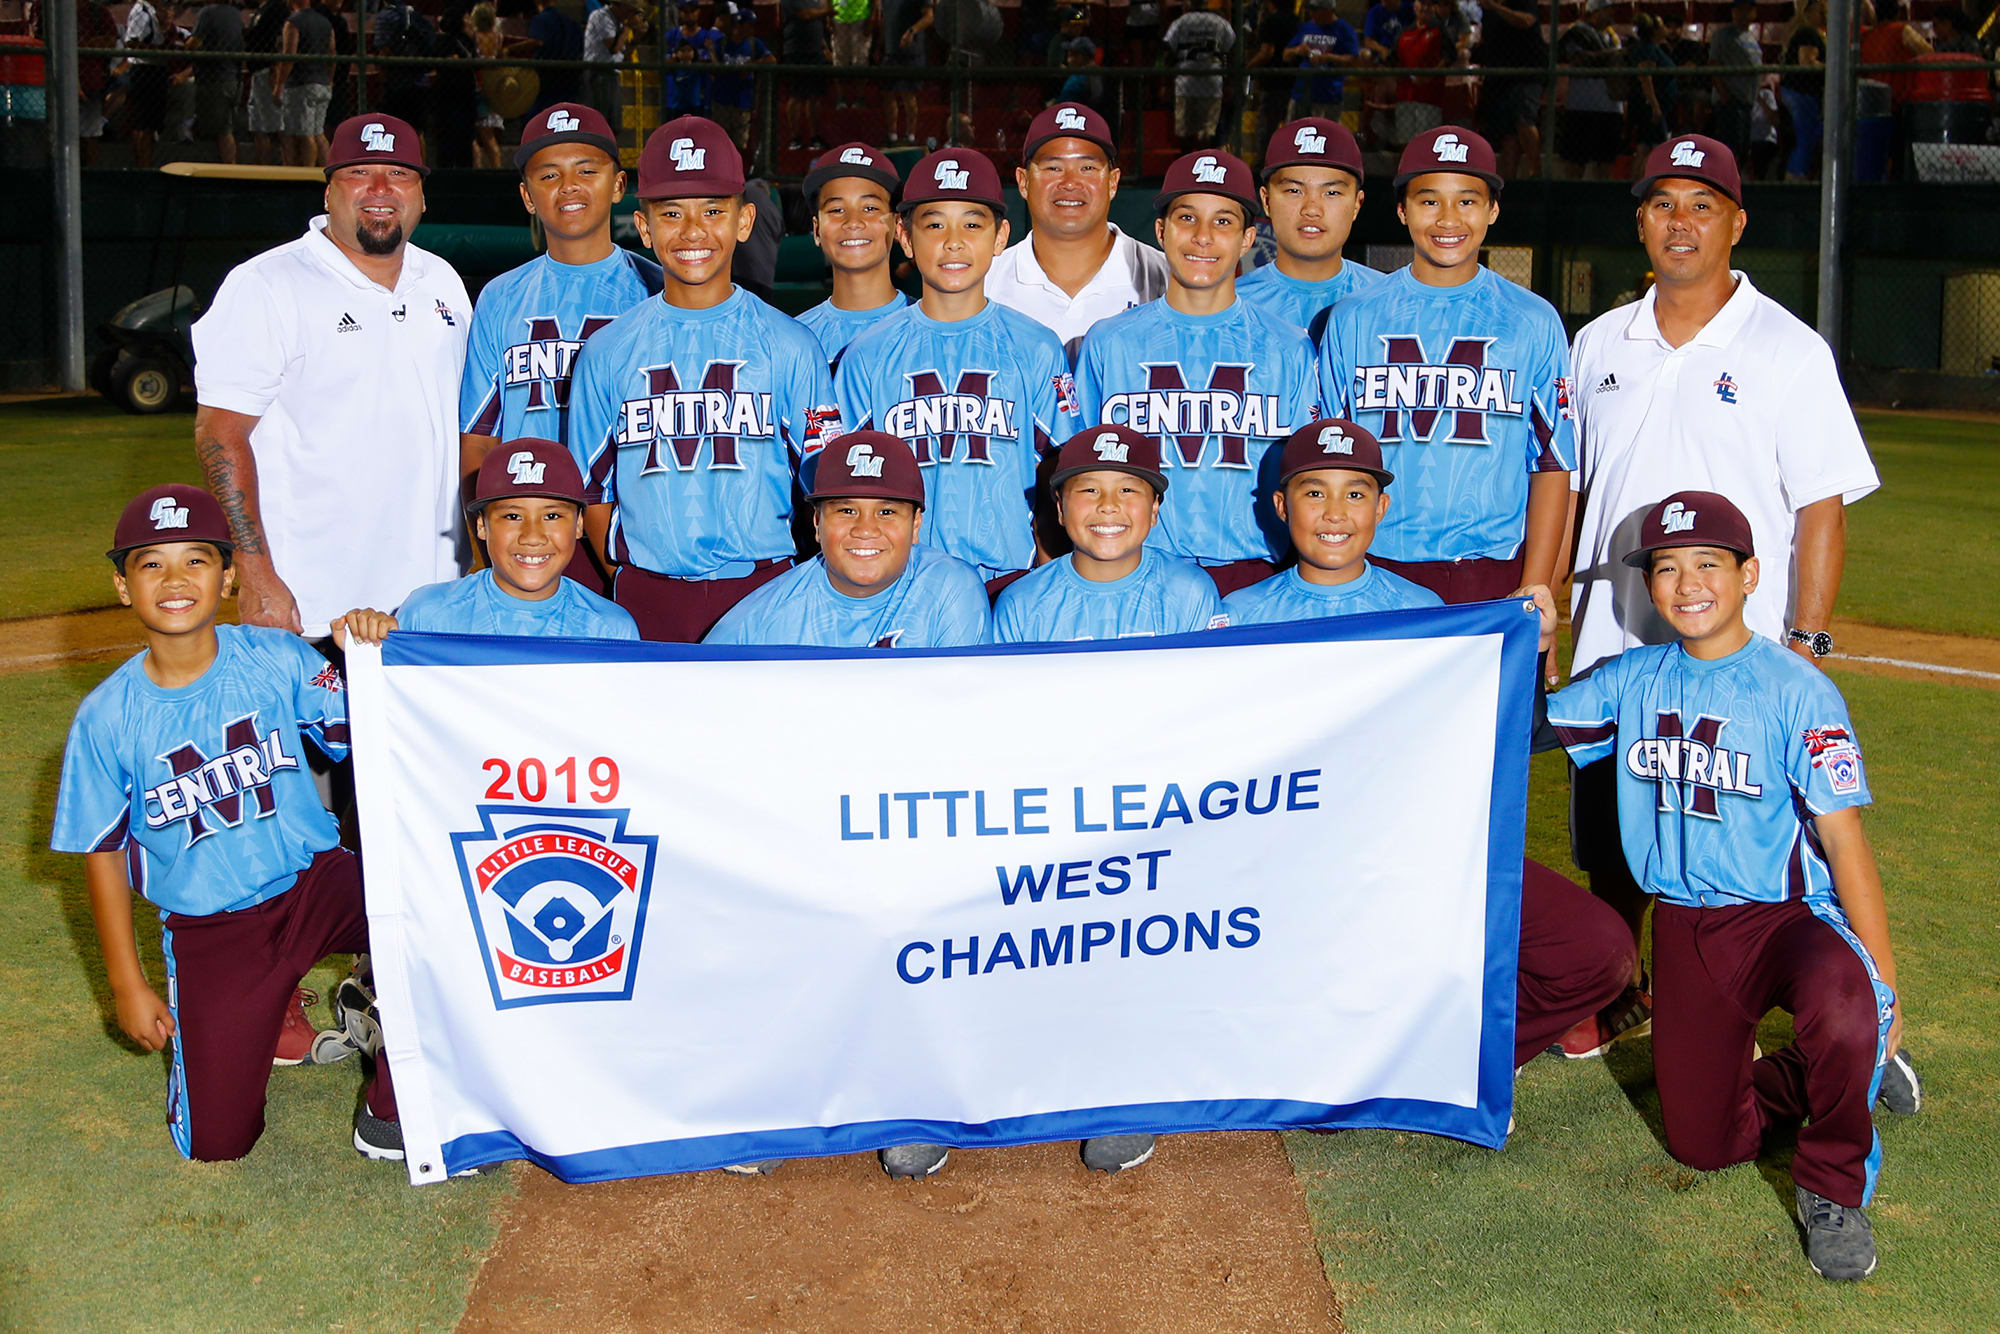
(1142, 32)
(1735, 43)
(853, 33)
(93, 28)
(906, 26)
(146, 79)
(341, 77)
(1324, 41)
(1080, 59)
(1651, 106)
(1694, 97)
(1891, 42)
(554, 35)
(1268, 97)
(486, 122)
(689, 49)
(1510, 106)
(1199, 40)
(217, 83)
(803, 42)
(1802, 92)
(1384, 25)
(607, 35)
(265, 114)
(733, 95)
(455, 93)
(1590, 130)
(1955, 32)
(305, 89)
(1429, 45)
(401, 30)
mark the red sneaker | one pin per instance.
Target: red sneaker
(296, 1038)
(1630, 1016)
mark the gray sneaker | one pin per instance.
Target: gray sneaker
(914, 1160)
(1901, 1091)
(1116, 1153)
(376, 1138)
(1839, 1242)
(757, 1169)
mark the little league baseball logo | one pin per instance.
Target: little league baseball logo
(558, 900)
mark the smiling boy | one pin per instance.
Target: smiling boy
(852, 190)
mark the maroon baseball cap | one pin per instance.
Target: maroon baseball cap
(1693, 157)
(1313, 142)
(690, 157)
(1691, 519)
(374, 137)
(1332, 442)
(1208, 171)
(565, 123)
(171, 513)
(868, 463)
(1449, 148)
(850, 159)
(1110, 449)
(1070, 120)
(954, 173)
(527, 467)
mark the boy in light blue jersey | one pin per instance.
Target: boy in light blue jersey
(1216, 381)
(528, 510)
(185, 779)
(977, 389)
(1312, 194)
(1107, 487)
(872, 585)
(1740, 787)
(1332, 493)
(1464, 378)
(852, 190)
(688, 417)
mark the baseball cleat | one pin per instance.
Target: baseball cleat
(330, 1045)
(378, 1139)
(1116, 1153)
(298, 1039)
(907, 1161)
(1901, 1091)
(360, 1022)
(757, 1169)
(1840, 1243)
(1630, 1016)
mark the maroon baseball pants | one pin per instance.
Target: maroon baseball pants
(1239, 574)
(681, 611)
(230, 976)
(1576, 958)
(1716, 972)
(1475, 579)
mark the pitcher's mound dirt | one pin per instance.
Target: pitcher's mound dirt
(1209, 1236)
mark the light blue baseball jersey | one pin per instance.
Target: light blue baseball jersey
(939, 602)
(1719, 765)
(477, 605)
(692, 423)
(1216, 391)
(1468, 390)
(980, 401)
(527, 329)
(836, 328)
(1286, 596)
(206, 787)
(1054, 604)
(1296, 301)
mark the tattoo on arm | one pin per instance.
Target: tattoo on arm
(220, 470)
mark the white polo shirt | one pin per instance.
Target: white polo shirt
(1751, 408)
(355, 388)
(1131, 275)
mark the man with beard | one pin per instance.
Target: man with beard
(327, 385)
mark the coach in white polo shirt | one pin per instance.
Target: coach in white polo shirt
(1704, 384)
(326, 373)
(1075, 268)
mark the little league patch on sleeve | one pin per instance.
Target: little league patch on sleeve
(1066, 392)
(1832, 748)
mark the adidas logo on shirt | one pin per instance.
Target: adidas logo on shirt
(1606, 385)
(348, 324)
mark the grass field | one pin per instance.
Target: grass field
(1583, 1223)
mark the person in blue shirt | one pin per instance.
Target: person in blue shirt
(1107, 487)
(528, 509)
(851, 189)
(1741, 784)
(1216, 381)
(531, 322)
(1323, 41)
(690, 416)
(185, 779)
(732, 96)
(689, 49)
(873, 585)
(978, 389)
(1312, 194)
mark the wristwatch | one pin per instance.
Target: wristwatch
(1818, 642)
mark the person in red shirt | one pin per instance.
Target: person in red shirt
(1425, 46)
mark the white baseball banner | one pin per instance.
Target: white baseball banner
(643, 908)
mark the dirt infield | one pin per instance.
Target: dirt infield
(1209, 1236)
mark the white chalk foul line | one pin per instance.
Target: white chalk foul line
(1916, 666)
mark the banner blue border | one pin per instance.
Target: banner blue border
(1483, 1124)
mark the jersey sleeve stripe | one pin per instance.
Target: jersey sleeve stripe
(1546, 457)
(487, 420)
(113, 837)
(1572, 735)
